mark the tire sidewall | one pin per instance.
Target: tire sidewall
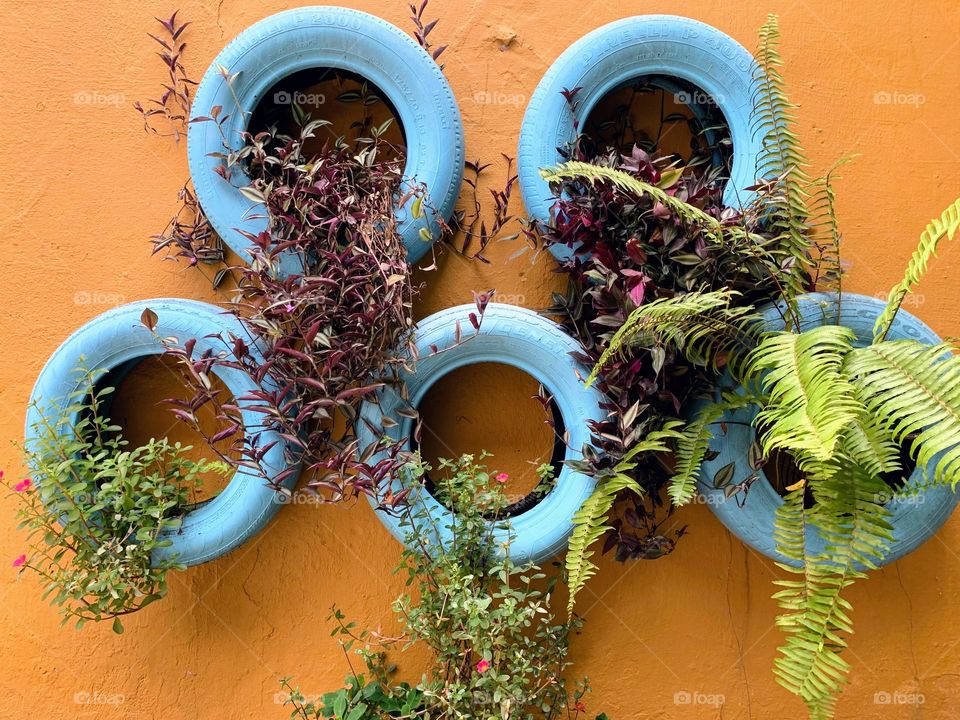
(617, 54)
(513, 336)
(339, 38)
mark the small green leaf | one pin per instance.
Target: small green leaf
(723, 476)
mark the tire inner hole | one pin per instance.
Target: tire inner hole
(353, 105)
(493, 407)
(663, 116)
(782, 472)
(138, 406)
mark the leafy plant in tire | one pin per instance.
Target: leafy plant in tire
(841, 412)
(497, 651)
(331, 332)
(644, 227)
(95, 511)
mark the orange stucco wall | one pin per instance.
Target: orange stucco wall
(84, 186)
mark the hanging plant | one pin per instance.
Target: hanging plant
(97, 510)
(634, 229)
(851, 411)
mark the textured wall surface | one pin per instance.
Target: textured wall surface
(84, 186)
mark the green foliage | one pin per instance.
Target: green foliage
(842, 413)
(95, 510)
(693, 444)
(912, 391)
(828, 273)
(945, 226)
(589, 522)
(496, 649)
(702, 325)
(781, 159)
(808, 403)
(576, 170)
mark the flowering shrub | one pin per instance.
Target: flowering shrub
(497, 649)
(95, 510)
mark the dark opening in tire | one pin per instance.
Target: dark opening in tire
(782, 472)
(663, 116)
(352, 105)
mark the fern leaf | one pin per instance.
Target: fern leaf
(826, 230)
(816, 617)
(575, 170)
(945, 226)
(781, 157)
(914, 389)
(589, 521)
(699, 324)
(809, 402)
(694, 442)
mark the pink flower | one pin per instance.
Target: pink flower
(20, 561)
(580, 707)
(483, 666)
(23, 485)
(501, 478)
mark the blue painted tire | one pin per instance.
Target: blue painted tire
(617, 54)
(915, 519)
(513, 336)
(327, 37)
(116, 340)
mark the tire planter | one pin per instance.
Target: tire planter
(914, 519)
(343, 39)
(617, 54)
(116, 341)
(513, 336)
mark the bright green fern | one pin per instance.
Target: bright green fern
(945, 226)
(589, 522)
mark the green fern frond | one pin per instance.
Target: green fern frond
(945, 226)
(699, 324)
(826, 230)
(694, 442)
(781, 157)
(575, 170)
(810, 403)
(816, 618)
(589, 522)
(913, 390)
(870, 446)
